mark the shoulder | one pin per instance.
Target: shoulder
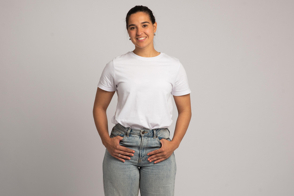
(118, 58)
(172, 61)
(121, 58)
(170, 58)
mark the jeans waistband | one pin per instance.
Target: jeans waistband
(143, 132)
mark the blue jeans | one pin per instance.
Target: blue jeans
(125, 178)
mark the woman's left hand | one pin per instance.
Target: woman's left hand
(166, 150)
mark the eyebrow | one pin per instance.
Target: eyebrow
(141, 23)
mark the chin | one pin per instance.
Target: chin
(141, 46)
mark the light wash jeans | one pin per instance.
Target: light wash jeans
(125, 178)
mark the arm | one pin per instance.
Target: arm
(101, 104)
(102, 101)
(183, 104)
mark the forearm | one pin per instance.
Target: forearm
(182, 124)
(101, 123)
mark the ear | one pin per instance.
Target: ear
(155, 26)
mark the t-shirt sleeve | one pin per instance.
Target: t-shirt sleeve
(181, 84)
(107, 81)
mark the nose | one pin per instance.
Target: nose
(139, 31)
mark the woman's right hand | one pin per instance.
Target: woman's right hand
(118, 151)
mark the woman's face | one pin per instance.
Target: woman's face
(141, 30)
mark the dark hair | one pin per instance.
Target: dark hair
(140, 8)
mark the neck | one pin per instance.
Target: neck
(144, 52)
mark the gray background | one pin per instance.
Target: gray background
(239, 59)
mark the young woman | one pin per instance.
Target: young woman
(139, 153)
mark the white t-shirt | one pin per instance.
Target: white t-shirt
(144, 87)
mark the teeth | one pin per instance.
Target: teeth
(141, 38)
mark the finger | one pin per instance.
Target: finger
(163, 141)
(122, 148)
(163, 155)
(155, 152)
(155, 155)
(123, 157)
(119, 138)
(159, 160)
(117, 157)
(124, 153)
(154, 158)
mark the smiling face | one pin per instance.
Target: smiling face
(141, 30)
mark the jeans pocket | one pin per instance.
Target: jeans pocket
(163, 134)
(116, 132)
(160, 138)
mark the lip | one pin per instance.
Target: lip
(140, 40)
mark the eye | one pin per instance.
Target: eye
(145, 25)
(131, 28)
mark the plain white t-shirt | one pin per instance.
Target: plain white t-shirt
(145, 88)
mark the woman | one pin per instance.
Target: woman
(139, 153)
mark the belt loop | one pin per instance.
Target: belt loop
(154, 133)
(128, 132)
